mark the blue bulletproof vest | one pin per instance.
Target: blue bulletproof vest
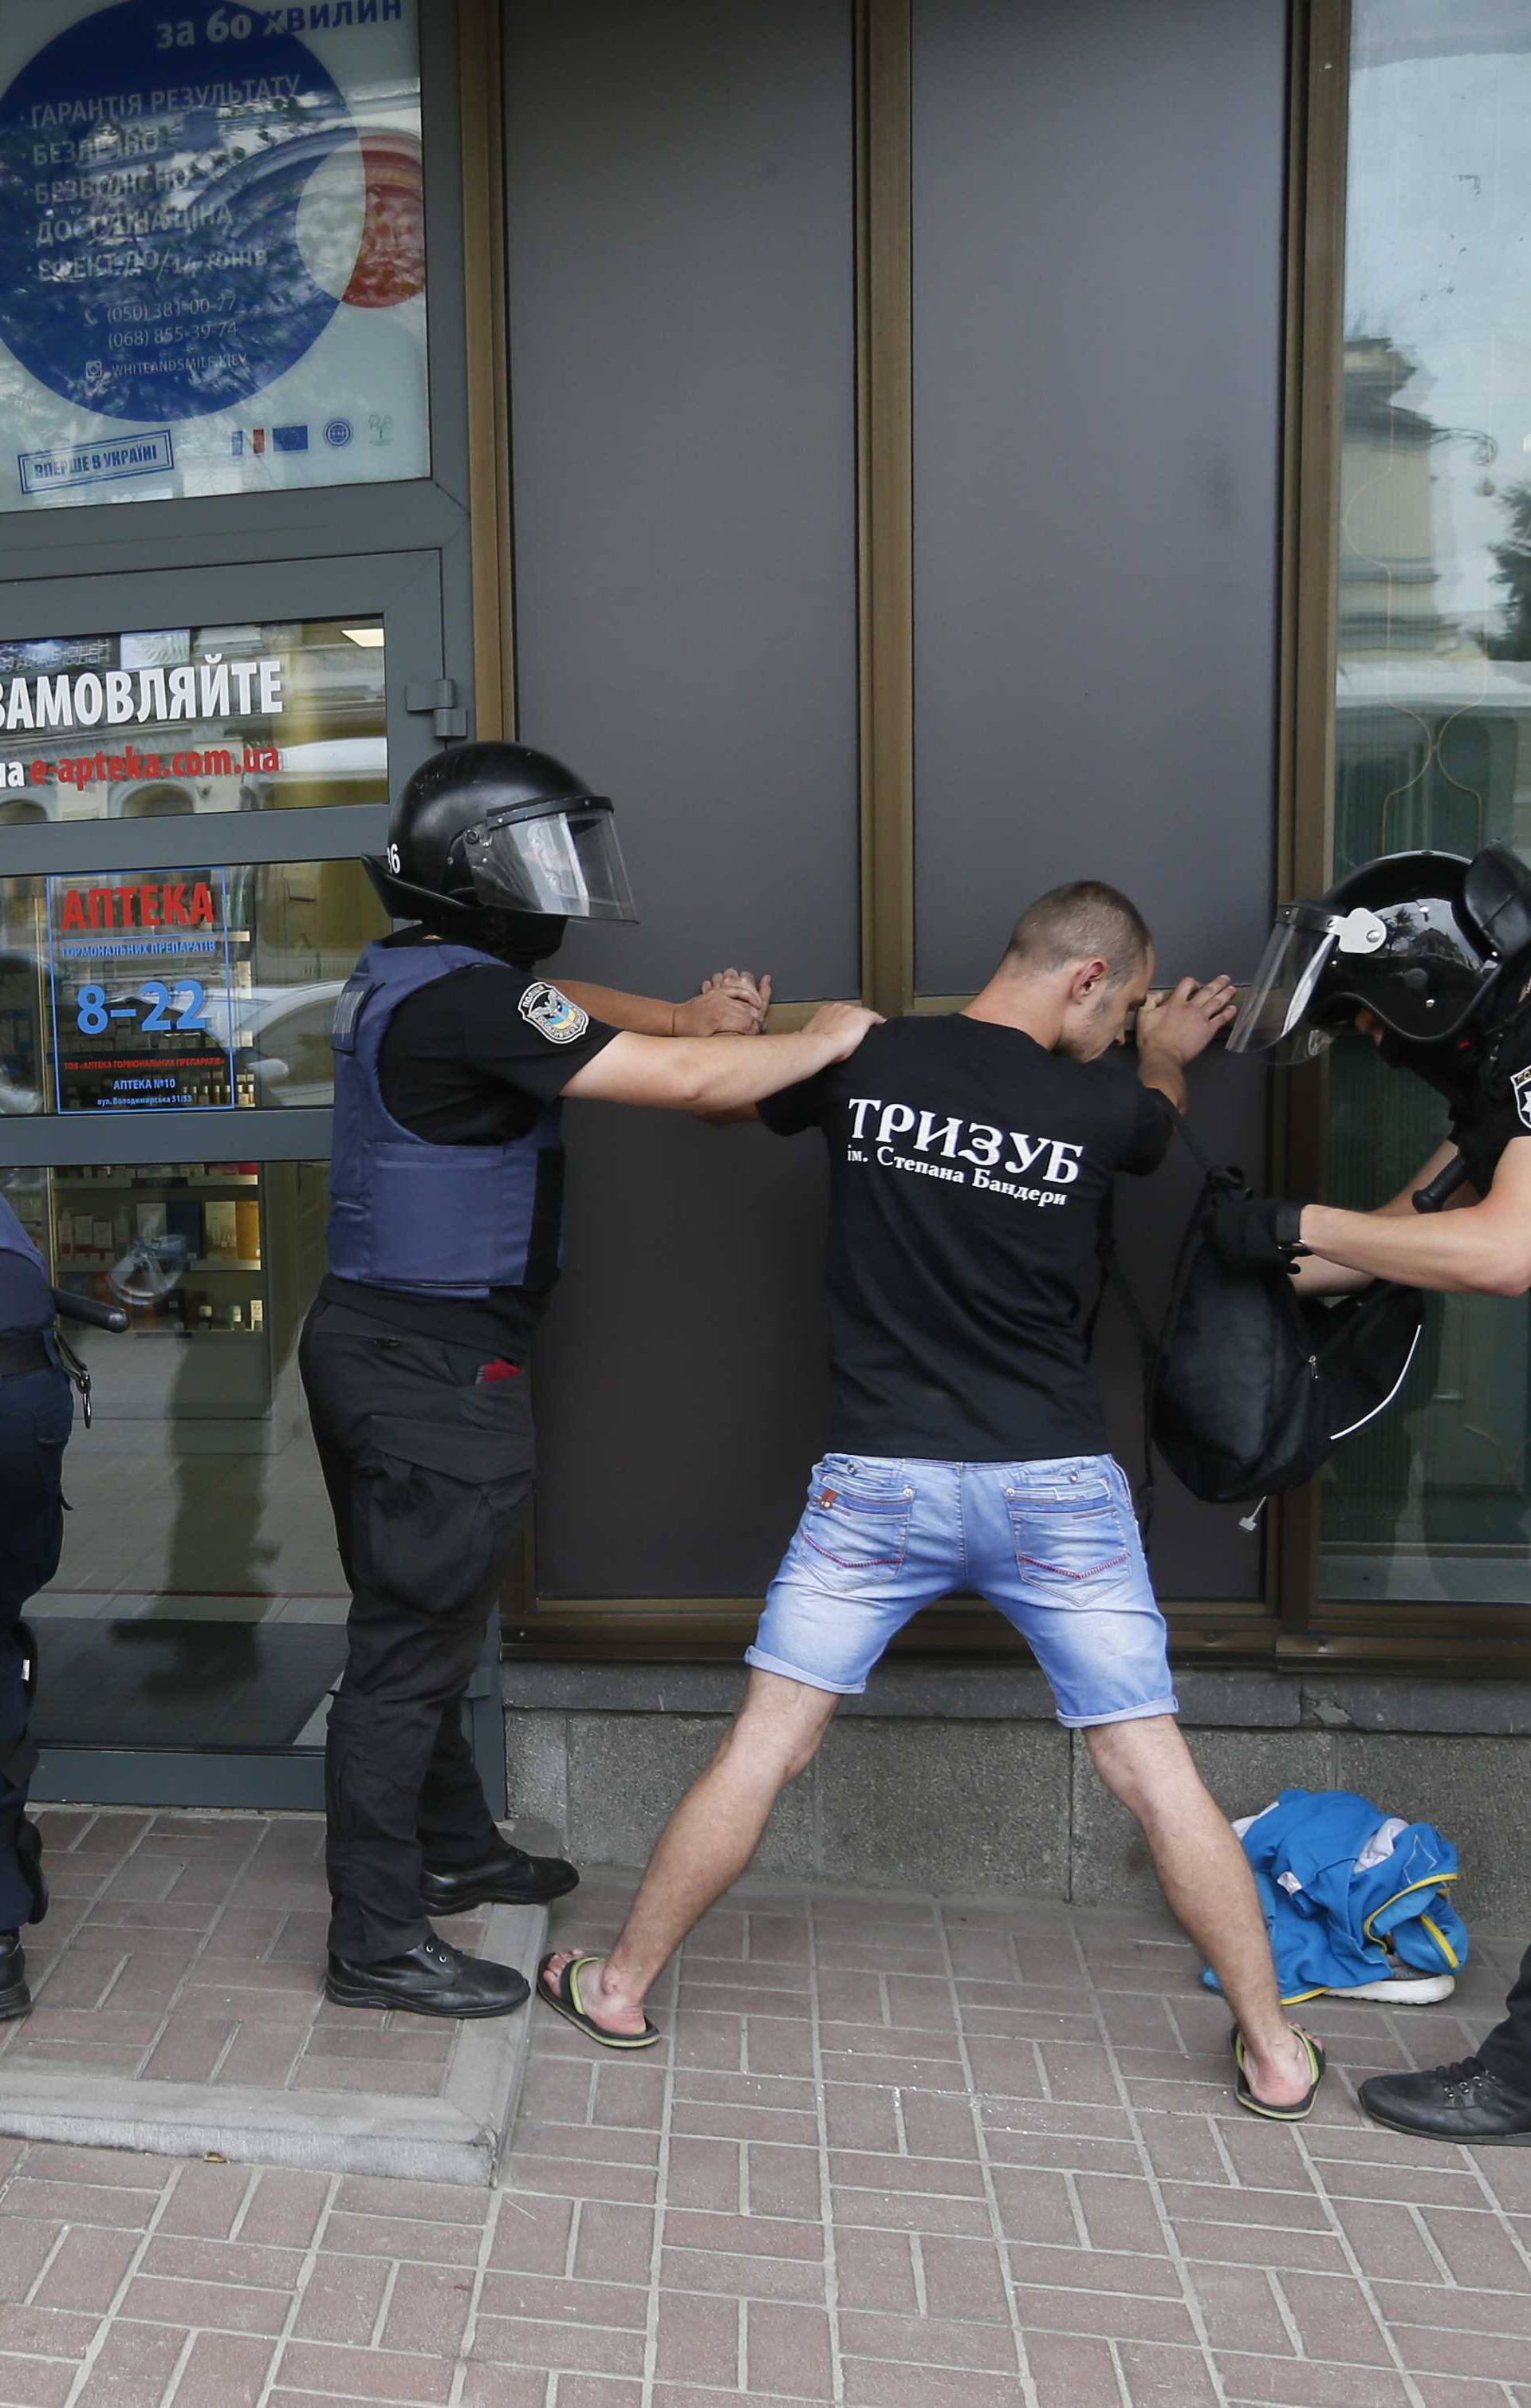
(405, 1212)
(26, 1296)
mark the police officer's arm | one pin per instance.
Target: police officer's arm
(1314, 1275)
(1481, 1248)
(730, 1003)
(719, 1074)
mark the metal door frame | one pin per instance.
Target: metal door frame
(404, 589)
(403, 549)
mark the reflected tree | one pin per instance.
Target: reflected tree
(1512, 570)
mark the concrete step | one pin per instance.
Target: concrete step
(86, 2075)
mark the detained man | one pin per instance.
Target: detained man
(971, 1158)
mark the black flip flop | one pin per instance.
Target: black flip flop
(1299, 2109)
(562, 1993)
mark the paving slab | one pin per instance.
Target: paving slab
(180, 2011)
(897, 2151)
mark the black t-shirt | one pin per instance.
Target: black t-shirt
(1501, 1109)
(462, 1065)
(970, 1168)
(1482, 1136)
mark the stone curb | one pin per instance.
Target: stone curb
(457, 2138)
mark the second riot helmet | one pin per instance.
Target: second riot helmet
(1418, 940)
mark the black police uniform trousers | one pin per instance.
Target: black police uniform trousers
(37, 1412)
(1507, 2051)
(428, 1470)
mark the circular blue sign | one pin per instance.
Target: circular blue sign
(149, 263)
(339, 432)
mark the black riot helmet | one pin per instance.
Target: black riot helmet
(1422, 940)
(501, 846)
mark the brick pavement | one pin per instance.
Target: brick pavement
(188, 1947)
(898, 2156)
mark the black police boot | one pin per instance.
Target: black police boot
(15, 1998)
(1451, 2102)
(434, 1979)
(509, 1878)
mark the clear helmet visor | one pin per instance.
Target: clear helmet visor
(1308, 938)
(1270, 1016)
(564, 863)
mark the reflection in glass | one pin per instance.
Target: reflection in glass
(175, 721)
(1433, 707)
(105, 1003)
(199, 1601)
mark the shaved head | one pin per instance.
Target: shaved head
(1087, 921)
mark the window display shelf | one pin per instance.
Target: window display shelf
(214, 1332)
(152, 1186)
(73, 1267)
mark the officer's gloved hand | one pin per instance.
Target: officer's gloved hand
(1256, 1233)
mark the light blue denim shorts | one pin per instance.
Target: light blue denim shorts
(1053, 1544)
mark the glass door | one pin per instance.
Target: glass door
(190, 767)
(1432, 721)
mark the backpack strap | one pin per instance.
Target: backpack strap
(1152, 1342)
(1112, 1275)
(1193, 1145)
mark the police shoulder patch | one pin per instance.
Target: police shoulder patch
(1520, 1087)
(551, 1014)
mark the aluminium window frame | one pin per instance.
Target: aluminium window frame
(403, 590)
(1287, 1625)
(709, 1629)
(1464, 1640)
(403, 546)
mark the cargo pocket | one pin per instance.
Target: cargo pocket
(34, 1497)
(439, 1502)
(1065, 1544)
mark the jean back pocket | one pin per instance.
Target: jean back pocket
(854, 1523)
(1070, 1539)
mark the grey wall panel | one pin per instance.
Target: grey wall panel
(681, 1388)
(1098, 220)
(683, 410)
(1098, 198)
(683, 405)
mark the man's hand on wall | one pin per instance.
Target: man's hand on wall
(732, 1003)
(1182, 1023)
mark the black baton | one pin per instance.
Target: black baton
(1438, 1191)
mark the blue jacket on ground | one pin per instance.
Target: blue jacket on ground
(1338, 1879)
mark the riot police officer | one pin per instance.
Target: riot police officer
(36, 1410)
(1429, 956)
(452, 1056)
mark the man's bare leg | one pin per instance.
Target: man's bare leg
(1204, 1876)
(707, 1843)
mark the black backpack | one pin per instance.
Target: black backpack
(1249, 1385)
